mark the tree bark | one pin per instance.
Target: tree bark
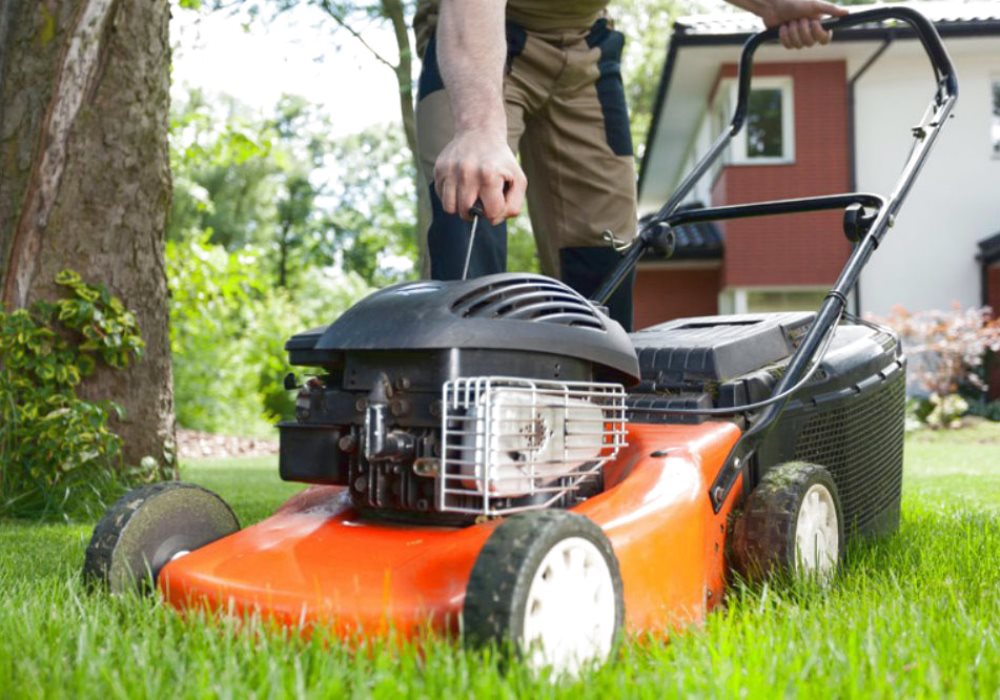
(85, 181)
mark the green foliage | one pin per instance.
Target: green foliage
(990, 410)
(224, 169)
(936, 412)
(948, 355)
(54, 445)
(228, 326)
(372, 216)
(267, 212)
(302, 200)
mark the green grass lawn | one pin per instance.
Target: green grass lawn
(916, 615)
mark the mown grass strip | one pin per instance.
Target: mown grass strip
(915, 615)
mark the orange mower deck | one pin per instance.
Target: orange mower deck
(314, 562)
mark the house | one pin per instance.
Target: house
(821, 121)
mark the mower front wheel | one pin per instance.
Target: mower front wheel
(148, 527)
(792, 525)
(546, 586)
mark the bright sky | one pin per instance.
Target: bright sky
(294, 54)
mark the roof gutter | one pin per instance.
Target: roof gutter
(661, 96)
(852, 142)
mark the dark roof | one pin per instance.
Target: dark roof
(947, 15)
(952, 19)
(989, 249)
(700, 241)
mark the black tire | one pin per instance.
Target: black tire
(496, 601)
(147, 527)
(765, 536)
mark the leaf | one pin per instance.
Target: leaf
(67, 278)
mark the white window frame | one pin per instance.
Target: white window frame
(736, 300)
(726, 99)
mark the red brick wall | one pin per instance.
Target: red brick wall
(663, 294)
(805, 249)
(993, 300)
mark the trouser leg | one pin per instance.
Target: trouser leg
(577, 154)
(448, 245)
(448, 236)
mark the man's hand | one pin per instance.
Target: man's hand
(478, 164)
(799, 20)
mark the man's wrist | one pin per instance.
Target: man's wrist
(487, 127)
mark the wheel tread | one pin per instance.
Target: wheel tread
(764, 534)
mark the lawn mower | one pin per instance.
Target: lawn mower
(496, 458)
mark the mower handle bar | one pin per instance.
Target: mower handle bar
(944, 71)
(650, 231)
(655, 232)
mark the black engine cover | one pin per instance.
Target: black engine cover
(511, 312)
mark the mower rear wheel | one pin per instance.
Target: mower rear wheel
(150, 526)
(546, 586)
(792, 525)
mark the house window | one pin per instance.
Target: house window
(767, 300)
(995, 122)
(757, 300)
(764, 124)
(768, 135)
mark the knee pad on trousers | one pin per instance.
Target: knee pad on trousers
(584, 269)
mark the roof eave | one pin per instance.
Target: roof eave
(989, 250)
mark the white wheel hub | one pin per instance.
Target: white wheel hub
(817, 533)
(569, 619)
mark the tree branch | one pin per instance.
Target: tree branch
(342, 21)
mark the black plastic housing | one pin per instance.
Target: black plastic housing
(520, 312)
(847, 418)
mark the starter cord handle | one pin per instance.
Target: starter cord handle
(944, 71)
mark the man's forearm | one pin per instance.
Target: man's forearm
(472, 47)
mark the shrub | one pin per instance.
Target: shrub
(57, 453)
(946, 352)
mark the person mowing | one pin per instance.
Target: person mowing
(541, 78)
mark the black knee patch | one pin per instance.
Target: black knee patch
(584, 269)
(430, 74)
(610, 88)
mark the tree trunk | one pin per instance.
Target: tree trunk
(393, 9)
(85, 184)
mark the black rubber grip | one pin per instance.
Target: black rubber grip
(944, 71)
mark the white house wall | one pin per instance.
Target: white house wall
(927, 261)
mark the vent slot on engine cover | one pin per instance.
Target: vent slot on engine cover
(529, 299)
(514, 444)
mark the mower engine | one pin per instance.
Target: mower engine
(498, 394)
